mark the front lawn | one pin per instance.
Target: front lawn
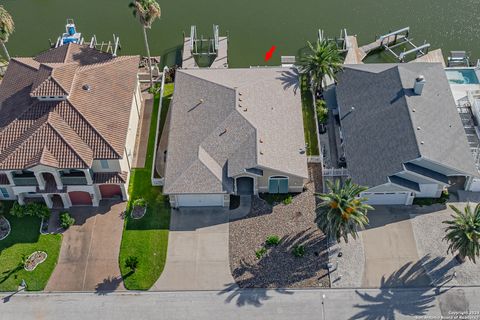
(24, 239)
(147, 238)
(309, 125)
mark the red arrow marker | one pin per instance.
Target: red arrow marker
(269, 53)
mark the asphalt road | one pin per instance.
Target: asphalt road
(339, 304)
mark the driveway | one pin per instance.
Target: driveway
(88, 258)
(391, 257)
(198, 250)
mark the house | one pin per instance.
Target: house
(402, 135)
(68, 122)
(234, 131)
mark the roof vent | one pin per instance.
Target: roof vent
(419, 83)
(418, 128)
(421, 142)
(261, 141)
(86, 87)
(201, 101)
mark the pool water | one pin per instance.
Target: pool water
(462, 76)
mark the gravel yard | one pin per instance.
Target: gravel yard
(429, 231)
(279, 268)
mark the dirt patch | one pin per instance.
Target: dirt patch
(278, 267)
(138, 212)
(35, 259)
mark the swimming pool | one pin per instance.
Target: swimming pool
(462, 76)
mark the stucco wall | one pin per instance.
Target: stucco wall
(295, 184)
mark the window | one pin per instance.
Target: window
(104, 163)
(4, 193)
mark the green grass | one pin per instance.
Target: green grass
(147, 238)
(309, 125)
(24, 239)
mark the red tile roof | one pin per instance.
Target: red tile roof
(89, 124)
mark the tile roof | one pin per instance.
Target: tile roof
(390, 125)
(224, 121)
(89, 124)
(110, 177)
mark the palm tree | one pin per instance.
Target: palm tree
(323, 60)
(463, 233)
(341, 212)
(6, 29)
(146, 11)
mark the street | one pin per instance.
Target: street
(246, 304)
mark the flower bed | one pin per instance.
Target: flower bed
(35, 259)
(138, 212)
(4, 228)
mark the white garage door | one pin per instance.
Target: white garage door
(200, 200)
(386, 197)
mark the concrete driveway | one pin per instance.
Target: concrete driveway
(88, 258)
(391, 251)
(198, 251)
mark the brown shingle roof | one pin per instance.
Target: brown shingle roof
(89, 124)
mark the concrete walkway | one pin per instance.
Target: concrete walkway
(198, 251)
(88, 258)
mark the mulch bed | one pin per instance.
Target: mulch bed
(35, 259)
(279, 268)
(138, 212)
(4, 228)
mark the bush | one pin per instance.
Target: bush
(66, 220)
(287, 200)
(131, 263)
(272, 240)
(39, 210)
(322, 111)
(261, 252)
(298, 251)
(140, 202)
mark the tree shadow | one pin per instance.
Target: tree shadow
(393, 300)
(8, 273)
(110, 284)
(279, 268)
(290, 79)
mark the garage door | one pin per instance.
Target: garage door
(200, 200)
(386, 198)
(80, 198)
(110, 191)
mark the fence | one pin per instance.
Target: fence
(158, 181)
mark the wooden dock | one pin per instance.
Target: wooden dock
(221, 61)
(354, 54)
(188, 61)
(377, 44)
(433, 56)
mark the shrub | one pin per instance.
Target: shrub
(322, 111)
(298, 251)
(132, 263)
(261, 252)
(140, 202)
(31, 209)
(272, 240)
(287, 200)
(66, 220)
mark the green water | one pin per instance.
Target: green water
(254, 26)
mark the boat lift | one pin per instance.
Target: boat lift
(398, 38)
(341, 42)
(72, 36)
(212, 44)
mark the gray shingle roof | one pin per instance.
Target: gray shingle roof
(390, 125)
(224, 121)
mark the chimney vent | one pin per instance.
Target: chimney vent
(419, 83)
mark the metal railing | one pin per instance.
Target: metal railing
(25, 181)
(74, 180)
(335, 172)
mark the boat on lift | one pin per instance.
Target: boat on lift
(70, 36)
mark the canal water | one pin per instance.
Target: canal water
(253, 25)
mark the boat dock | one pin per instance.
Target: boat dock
(432, 56)
(216, 50)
